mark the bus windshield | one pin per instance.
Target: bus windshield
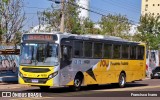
(39, 54)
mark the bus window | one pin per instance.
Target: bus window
(132, 52)
(88, 49)
(41, 53)
(66, 53)
(78, 49)
(116, 51)
(125, 51)
(107, 50)
(98, 50)
(140, 52)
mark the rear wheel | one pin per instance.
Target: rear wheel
(122, 80)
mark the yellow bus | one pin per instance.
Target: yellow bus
(64, 59)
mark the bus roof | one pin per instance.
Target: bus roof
(87, 36)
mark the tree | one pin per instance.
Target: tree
(115, 25)
(88, 27)
(11, 18)
(149, 30)
(72, 22)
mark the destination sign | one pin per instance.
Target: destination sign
(39, 37)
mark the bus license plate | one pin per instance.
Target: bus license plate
(34, 80)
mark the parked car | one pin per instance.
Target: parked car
(155, 72)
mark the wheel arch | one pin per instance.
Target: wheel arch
(79, 73)
(123, 72)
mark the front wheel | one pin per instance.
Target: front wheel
(77, 82)
(122, 80)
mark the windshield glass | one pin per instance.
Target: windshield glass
(39, 54)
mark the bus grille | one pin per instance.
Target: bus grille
(36, 70)
(40, 80)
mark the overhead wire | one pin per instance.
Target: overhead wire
(92, 10)
(119, 6)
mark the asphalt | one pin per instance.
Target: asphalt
(11, 85)
(14, 85)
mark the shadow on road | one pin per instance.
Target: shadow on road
(84, 88)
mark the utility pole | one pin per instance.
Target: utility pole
(62, 16)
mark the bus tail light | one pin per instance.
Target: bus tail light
(52, 75)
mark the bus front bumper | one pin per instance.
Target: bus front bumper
(36, 82)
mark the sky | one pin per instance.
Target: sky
(129, 8)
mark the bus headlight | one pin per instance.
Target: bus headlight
(20, 74)
(52, 75)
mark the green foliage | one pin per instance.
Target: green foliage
(73, 24)
(149, 31)
(11, 19)
(115, 25)
(5, 1)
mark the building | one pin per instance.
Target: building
(150, 6)
(83, 12)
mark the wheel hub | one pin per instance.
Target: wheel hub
(122, 81)
(77, 82)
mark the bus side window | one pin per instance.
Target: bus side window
(132, 52)
(116, 50)
(140, 52)
(88, 49)
(125, 51)
(107, 51)
(97, 50)
(78, 49)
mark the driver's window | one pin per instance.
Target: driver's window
(66, 52)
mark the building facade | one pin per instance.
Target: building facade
(150, 6)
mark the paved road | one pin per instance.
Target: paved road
(132, 90)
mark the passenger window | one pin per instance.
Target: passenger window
(140, 52)
(116, 51)
(125, 51)
(97, 50)
(107, 50)
(78, 49)
(88, 49)
(132, 52)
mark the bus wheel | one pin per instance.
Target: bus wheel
(44, 88)
(77, 82)
(122, 80)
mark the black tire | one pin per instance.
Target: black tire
(44, 88)
(133, 81)
(151, 76)
(77, 82)
(122, 80)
